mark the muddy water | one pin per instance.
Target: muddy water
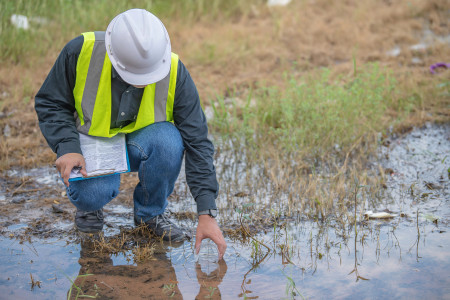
(407, 256)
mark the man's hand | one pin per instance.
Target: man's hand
(67, 162)
(208, 228)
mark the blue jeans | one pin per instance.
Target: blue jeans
(156, 153)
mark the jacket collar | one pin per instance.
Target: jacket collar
(114, 73)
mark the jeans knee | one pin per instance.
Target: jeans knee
(160, 141)
(169, 152)
(93, 194)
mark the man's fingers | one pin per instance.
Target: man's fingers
(83, 167)
(217, 239)
(62, 169)
(208, 228)
(66, 173)
(222, 249)
(66, 163)
(221, 244)
(198, 242)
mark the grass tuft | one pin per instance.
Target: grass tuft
(314, 115)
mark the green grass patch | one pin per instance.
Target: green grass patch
(315, 114)
(55, 22)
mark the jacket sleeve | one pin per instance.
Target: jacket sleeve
(191, 122)
(55, 104)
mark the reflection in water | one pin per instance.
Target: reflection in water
(153, 279)
(245, 291)
(355, 270)
(147, 280)
(209, 271)
(209, 282)
(419, 269)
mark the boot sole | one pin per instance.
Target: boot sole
(88, 229)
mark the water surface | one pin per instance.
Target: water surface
(404, 257)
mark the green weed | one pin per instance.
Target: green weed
(314, 115)
(211, 291)
(169, 289)
(291, 288)
(78, 289)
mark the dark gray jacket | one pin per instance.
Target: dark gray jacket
(55, 107)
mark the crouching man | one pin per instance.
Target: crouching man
(127, 80)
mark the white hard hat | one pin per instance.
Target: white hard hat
(138, 46)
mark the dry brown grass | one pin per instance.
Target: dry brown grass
(143, 252)
(263, 45)
(139, 240)
(235, 54)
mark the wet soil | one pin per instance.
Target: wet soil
(406, 256)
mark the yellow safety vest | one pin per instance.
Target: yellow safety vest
(92, 92)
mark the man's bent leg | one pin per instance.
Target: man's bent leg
(156, 152)
(89, 196)
(94, 193)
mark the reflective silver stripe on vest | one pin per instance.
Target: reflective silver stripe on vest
(93, 79)
(92, 86)
(161, 92)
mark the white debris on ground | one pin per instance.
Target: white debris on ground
(416, 61)
(23, 22)
(394, 52)
(379, 215)
(428, 39)
(209, 113)
(7, 131)
(39, 20)
(20, 21)
(278, 2)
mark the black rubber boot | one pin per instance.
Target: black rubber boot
(89, 221)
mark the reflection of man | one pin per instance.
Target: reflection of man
(127, 80)
(154, 279)
(209, 283)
